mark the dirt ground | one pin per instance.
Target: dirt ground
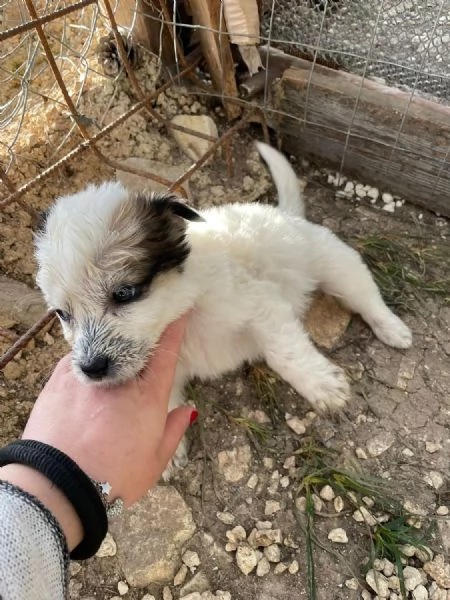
(399, 396)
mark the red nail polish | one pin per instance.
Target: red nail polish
(193, 417)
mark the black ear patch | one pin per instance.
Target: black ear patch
(176, 207)
(41, 220)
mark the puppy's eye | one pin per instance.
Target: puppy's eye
(63, 315)
(126, 293)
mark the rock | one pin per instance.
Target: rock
(273, 553)
(19, 304)
(413, 577)
(108, 547)
(261, 538)
(442, 510)
(199, 584)
(225, 517)
(380, 443)
(378, 583)
(367, 516)
(167, 594)
(338, 504)
(180, 576)
(191, 559)
(136, 183)
(365, 595)
(326, 321)
(234, 464)
(435, 479)
(148, 597)
(259, 416)
(280, 568)
(317, 502)
(388, 567)
(263, 525)
(191, 145)
(74, 568)
(122, 588)
(432, 447)
(246, 558)
(290, 542)
(268, 462)
(289, 463)
(327, 493)
(338, 535)
(252, 482)
(439, 571)
(444, 532)
(263, 567)
(368, 501)
(293, 567)
(296, 425)
(236, 535)
(351, 584)
(424, 554)
(285, 481)
(360, 453)
(271, 507)
(150, 536)
(300, 504)
(420, 593)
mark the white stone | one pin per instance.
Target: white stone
(289, 463)
(435, 479)
(180, 576)
(357, 515)
(297, 425)
(268, 462)
(193, 146)
(413, 577)
(271, 507)
(273, 553)
(263, 525)
(108, 547)
(284, 482)
(360, 453)
(122, 588)
(338, 536)
(360, 192)
(407, 452)
(387, 198)
(365, 595)
(424, 554)
(432, 447)
(380, 443)
(389, 208)
(191, 559)
(263, 567)
(300, 503)
(236, 535)
(351, 584)
(234, 464)
(420, 593)
(167, 594)
(280, 568)
(293, 567)
(442, 510)
(349, 187)
(367, 516)
(368, 501)
(373, 193)
(246, 558)
(327, 493)
(317, 502)
(262, 538)
(225, 517)
(388, 568)
(338, 504)
(252, 482)
(290, 542)
(378, 583)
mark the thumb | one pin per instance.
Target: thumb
(178, 420)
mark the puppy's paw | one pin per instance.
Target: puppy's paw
(179, 461)
(330, 392)
(392, 331)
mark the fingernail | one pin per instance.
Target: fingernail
(193, 417)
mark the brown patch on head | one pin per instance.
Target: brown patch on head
(147, 236)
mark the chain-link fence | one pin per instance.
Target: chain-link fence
(64, 68)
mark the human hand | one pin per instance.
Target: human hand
(121, 435)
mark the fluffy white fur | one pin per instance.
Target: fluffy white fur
(248, 278)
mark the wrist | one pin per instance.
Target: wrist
(33, 482)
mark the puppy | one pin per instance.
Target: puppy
(119, 267)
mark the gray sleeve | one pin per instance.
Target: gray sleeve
(33, 553)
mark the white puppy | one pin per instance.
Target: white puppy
(119, 267)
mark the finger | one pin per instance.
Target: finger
(178, 420)
(160, 370)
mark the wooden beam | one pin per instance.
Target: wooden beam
(147, 27)
(216, 50)
(414, 167)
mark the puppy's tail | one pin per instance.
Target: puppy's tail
(290, 199)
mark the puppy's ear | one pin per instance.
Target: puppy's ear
(41, 221)
(176, 207)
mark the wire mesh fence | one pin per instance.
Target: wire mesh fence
(76, 78)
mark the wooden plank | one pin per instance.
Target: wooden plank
(415, 170)
(216, 50)
(147, 27)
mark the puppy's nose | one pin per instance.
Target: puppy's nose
(96, 368)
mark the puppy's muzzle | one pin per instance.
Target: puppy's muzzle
(96, 368)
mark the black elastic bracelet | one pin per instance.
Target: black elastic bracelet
(67, 476)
